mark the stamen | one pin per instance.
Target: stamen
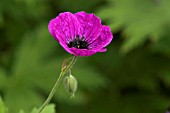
(78, 43)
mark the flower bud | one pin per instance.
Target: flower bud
(70, 84)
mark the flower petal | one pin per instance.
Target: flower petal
(90, 25)
(86, 52)
(64, 45)
(82, 52)
(104, 39)
(66, 24)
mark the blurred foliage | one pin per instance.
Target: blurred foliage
(139, 20)
(3, 109)
(48, 109)
(35, 64)
(137, 81)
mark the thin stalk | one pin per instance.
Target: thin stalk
(57, 84)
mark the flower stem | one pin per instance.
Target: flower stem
(57, 84)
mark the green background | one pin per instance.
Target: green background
(133, 76)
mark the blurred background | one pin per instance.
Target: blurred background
(133, 76)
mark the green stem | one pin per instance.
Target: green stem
(57, 84)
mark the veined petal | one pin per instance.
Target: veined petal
(64, 45)
(86, 52)
(104, 38)
(82, 52)
(90, 26)
(66, 24)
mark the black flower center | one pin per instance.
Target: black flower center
(78, 43)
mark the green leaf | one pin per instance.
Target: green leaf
(34, 68)
(3, 78)
(21, 111)
(48, 109)
(97, 81)
(162, 45)
(165, 76)
(139, 20)
(22, 99)
(30, 71)
(3, 109)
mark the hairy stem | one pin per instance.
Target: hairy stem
(57, 84)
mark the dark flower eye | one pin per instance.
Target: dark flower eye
(80, 34)
(78, 43)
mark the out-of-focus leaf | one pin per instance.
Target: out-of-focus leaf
(138, 19)
(21, 111)
(96, 81)
(3, 109)
(162, 46)
(48, 109)
(3, 79)
(27, 69)
(165, 76)
(32, 69)
(21, 98)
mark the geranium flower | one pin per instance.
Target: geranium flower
(80, 34)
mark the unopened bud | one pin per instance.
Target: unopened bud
(70, 84)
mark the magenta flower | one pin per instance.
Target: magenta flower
(80, 34)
